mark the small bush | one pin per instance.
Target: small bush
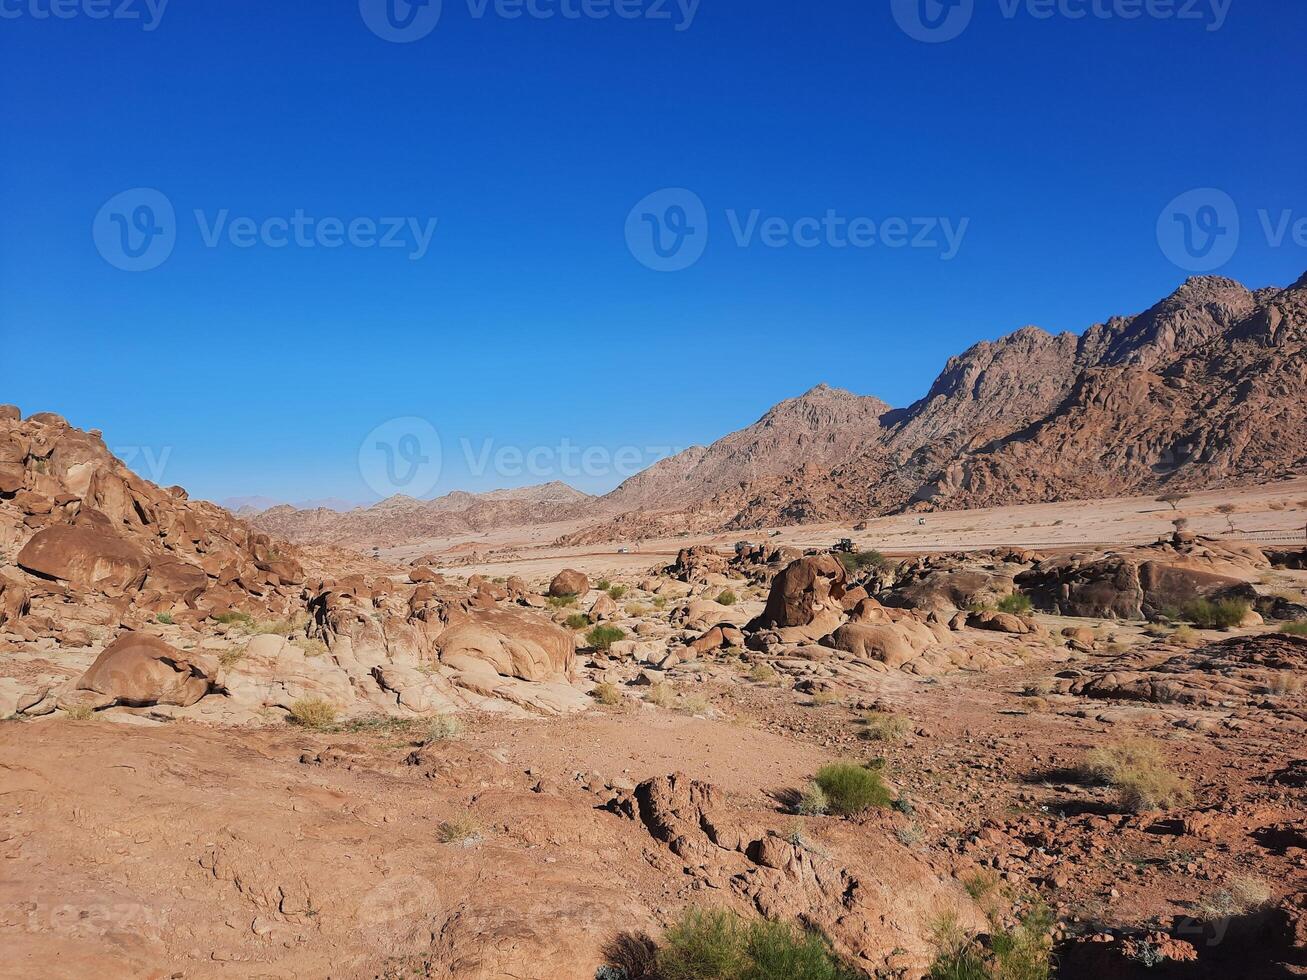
(1241, 895)
(714, 944)
(461, 830)
(615, 592)
(1294, 629)
(635, 610)
(313, 713)
(311, 646)
(852, 789)
(230, 657)
(560, 601)
(812, 802)
(1284, 682)
(79, 712)
(1138, 771)
(603, 585)
(659, 601)
(234, 618)
(1184, 633)
(1017, 603)
(164, 618)
(1023, 952)
(694, 704)
(703, 944)
(441, 728)
(603, 637)
(662, 694)
(577, 621)
(727, 598)
(762, 673)
(1214, 613)
(882, 726)
(606, 692)
(857, 561)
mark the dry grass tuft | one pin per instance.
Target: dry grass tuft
(313, 713)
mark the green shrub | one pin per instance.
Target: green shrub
(1294, 629)
(615, 592)
(165, 618)
(606, 692)
(703, 944)
(603, 585)
(233, 618)
(1214, 613)
(1017, 603)
(852, 789)
(577, 621)
(1022, 952)
(603, 637)
(560, 601)
(762, 673)
(857, 561)
(714, 944)
(727, 598)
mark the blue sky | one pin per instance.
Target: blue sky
(527, 321)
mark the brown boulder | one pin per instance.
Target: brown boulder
(515, 643)
(569, 582)
(86, 557)
(804, 591)
(139, 669)
(998, 622)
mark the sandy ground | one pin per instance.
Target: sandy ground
(1276, 513)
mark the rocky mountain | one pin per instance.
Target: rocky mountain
(1208, 386)
(400, 519)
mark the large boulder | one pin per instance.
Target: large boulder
(569, 582)
(139, 669)
(514, 642)
(806, 594)
(86, 557)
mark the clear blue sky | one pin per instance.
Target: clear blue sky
(529, 321)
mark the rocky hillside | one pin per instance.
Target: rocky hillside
(400, 519)
(1208, 386)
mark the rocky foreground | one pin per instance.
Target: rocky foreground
(226, 755)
